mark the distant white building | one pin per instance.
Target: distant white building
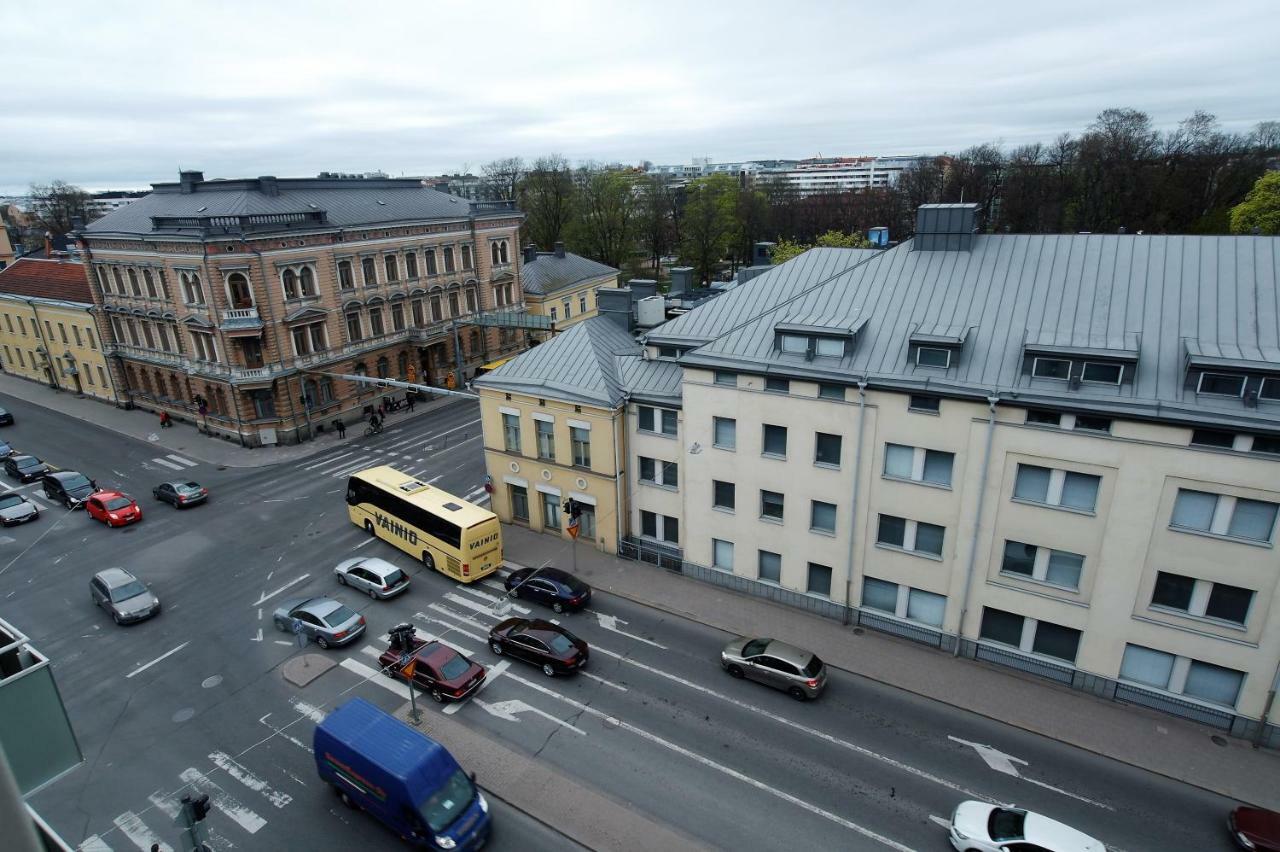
(810, 176)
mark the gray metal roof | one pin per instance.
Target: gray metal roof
(346, 203)
(579, 365)
(1166, 297)
(648, 379)
(549, 274)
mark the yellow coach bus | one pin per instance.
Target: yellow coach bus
(459, 539)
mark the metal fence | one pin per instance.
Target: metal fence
(1024, 663)
(1222, 719)
(907, 630)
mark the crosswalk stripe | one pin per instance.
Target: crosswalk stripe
(493, 599)
(132, 826)
(344, 464)
(472, 605)
(168, 464)
(325, 461)
(343, 470)
(375, 676)
(181, 460)
(228, 764)
(474, 494)
(93, 843)
(224, 801)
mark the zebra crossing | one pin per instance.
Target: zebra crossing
(174, 462)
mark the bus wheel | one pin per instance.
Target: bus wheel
(368, 527)
(428, 560)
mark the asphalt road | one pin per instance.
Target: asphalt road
(196, 694)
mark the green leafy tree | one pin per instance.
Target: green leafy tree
(1260, 208)
(786, 249)
(708, 223)
(546, 195)
(608, 216)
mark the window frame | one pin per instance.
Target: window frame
(715, 433)
(717, 485)
(946, 365)
(765, 503)
(1035, 368)
(1235, 376)
(1084, 373)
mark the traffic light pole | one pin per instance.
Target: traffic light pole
(193, 813)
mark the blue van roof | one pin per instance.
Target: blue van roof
(395, 747)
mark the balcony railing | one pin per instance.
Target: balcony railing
(240, 314)
(242, 224)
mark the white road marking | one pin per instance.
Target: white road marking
(132, 826)
(326, 460)
(228, 764)
(942, 821)
(606, 682)
(495, 671)
(474, 494)
(344, 467)
(168, 464)
(439, 435)
(368, 540)
(181, 460)
(435, 479)
(94, 843)
(311, 711)
(493, 584)
(266, 597)
(1004, 763)
(375, 676)
(484, 596)
(507, 711)
(143, 668)
(610, 622)
(280, 732)
(469, 604)
(284, 642)
(257, 638)
(224, 801)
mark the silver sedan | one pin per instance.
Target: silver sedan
(377, 578)
(330, 623)
(16, 509)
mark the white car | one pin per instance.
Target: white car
(377, 578)
(16, 509)
(980, 827)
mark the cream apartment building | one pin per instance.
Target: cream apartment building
(1058, 453)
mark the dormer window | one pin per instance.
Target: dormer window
(1051, 368)
(929, 356)
(1102, 360)
(1221, 384)
(1102, 373)
(816, 336)
(937, 347)
(1270, 389)
(794, 344)
(829, 347)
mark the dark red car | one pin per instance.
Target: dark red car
(1255, 828)
(113, 508)
(437, 669)
(548, 646)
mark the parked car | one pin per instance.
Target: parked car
(795, 671)
(6, 449)
(25, 468)
(123, 595)
(377, 578)
(548, 646)
(6, 417)
(441, 671)
(1255, 828)
(982, 827)
(558, 589)
(68, 487)
(16, 509)
(180, 494)
(113, 508)
(330, 623)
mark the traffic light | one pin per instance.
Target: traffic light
(573, 509)
(197, 809)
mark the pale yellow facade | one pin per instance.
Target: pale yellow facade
(571, 305)
(54, 342)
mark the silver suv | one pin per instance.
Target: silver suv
(795, 671)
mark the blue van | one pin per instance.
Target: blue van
(404, 778)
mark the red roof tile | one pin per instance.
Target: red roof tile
(48, 279)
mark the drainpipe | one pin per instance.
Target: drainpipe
(977, 521)
(1266, 709)
(853, 505)
(618, 472)
(48, 346)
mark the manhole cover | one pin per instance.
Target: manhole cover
(857, 631)
(1218, 741)
(211, 681)
(184, 714)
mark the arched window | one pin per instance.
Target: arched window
(290, 282)
(150, 283)
(192, 291)
(503, 251)
(102, 281)
(177, 386)
(360, 369)
(115, 273)
(473, 300)
(370, 271)
(307, 281)
(453, 303)
(133, 283)
(437, 313)
(345, 279)
(411, 265)
(493, 250)
(384, 367)
(238, 289)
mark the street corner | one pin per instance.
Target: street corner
(302, 670)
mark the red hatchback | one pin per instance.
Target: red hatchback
(113, 508)
(436, 668)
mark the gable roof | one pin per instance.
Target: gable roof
(63, 280)
(579, 365)
(549, 274)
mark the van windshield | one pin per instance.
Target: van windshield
(447, 804)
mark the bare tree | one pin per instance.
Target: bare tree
(502, 177)
(55, 205)
(547, 196)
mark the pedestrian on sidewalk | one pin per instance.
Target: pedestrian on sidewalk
(408, 400)
(341, 427)
(165, 420)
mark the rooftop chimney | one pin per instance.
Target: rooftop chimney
(642, 288)
(530, 253)
(681, 280)
(559, 249)
(187, 181)
(945, 227)
(762, 254)
(615, 303)
(267, 185)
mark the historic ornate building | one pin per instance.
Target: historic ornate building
(228, 301)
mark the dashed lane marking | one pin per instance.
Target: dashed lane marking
(132, 826)
(266, 597)
(143, 668)
(228, 764)
(324, 461)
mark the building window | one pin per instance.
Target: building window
(511, 432)
(771, 505)
(724, 495)
(550, 511)
(149, 282)
(346, 280)
(369, 270)
(826, 449)
(1212, 438)
(1051, 368)
(567, 312)
(911, 536)
(794, 344)
(75, 331)
(1181, 675)
(1029, 635)
(62, 333)
(725, 377)
(829, 391)
(519, 502)
(582, 303)
(658, 472)
(819, 580)
(376, 328)
(397, 316)
(1221, 514)
(203, 346)
(1266, 444)
(1089, 423)
(115, 274)
(924, 404)
(929, 356)
(580, 439)
(384, 368)
(354, 330)
(411, 265)
(1102, 373)
(392, 268)
(1202, 598)
(1042, 564)
(1218, 384)
(88, 334)
(1061, 488)
(453, 304)
(553, 313)
(133, 282)
(472, 303)
(437, 311)
(430, 255)
(917, 464)
(192, 289)
(829, 347)
(657, 419)
(1270, 389)
(415, 308)
(776, 385)
(904, 601)
(769, 566)
(448, 259)
(774, 441)
(721, 554)
(102, 376)
(466, 257)
(659, 527)
(545, 431)
(1041, 417)
(724, 433)
(822, 517)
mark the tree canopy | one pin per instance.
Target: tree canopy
(1260, 208)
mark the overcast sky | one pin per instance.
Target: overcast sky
(120, 94)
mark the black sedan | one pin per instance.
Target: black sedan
(557, 589)
(548, 646)
(180, 494)
(25, 468)
(6, 417)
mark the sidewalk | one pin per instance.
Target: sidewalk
(1166, 745)
(185, 438)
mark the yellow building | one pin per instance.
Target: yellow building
(562, 286)
(7, 255)
(47, 328)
